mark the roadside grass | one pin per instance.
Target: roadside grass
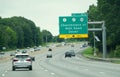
(88, 52)
(116, 61)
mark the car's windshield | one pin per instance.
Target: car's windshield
(22, 56)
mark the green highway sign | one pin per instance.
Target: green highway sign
(73, 26)
(79, 14)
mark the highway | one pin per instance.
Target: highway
(59, 66)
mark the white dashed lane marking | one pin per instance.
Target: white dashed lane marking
(45, 70)
(5, 71)
(52, 73)
(3, 74)
(101, 72)
(86, 69)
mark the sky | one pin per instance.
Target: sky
(44, 13)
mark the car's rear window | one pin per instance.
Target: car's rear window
(22, 56)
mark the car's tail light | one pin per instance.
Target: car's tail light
(28, 59)
(14, 60)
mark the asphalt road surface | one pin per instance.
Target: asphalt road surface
(59, 66)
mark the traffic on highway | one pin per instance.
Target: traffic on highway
(59, 38)
(66, 61)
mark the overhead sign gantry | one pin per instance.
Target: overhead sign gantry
(76, 26)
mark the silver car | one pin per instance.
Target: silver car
(22, 61)
(49, 54)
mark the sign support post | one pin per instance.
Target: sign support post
(103, 29)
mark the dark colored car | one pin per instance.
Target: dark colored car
(49, 49)
(67, 54)
(72, 45)
(33, 58)
(72, 52)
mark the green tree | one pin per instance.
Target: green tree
(47, 36)
(109, 11)
(19, 32)
(11, 37)
(117, 51)
(57, 39)
(38, 37)
(8, 37)
(20, 37)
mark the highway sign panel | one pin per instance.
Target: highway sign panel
(73, 26)
(79, 14)
(73, 36)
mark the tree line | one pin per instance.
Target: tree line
(109, 11)
(19, 32)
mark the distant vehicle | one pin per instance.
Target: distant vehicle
(72, 52)
(2, 53)
(84, 45)
(24, 51)
(31, 49)
(72, 45)
(49, 55)
(33, 58)
(21, 61)
(17, 50)
(49, 49)
(67, 54)
(12, 54)
(36, 48)
(63, 43)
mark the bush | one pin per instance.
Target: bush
(117, 51)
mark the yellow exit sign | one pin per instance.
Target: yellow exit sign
(73, 36)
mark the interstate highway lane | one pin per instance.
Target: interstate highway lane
(59, 66)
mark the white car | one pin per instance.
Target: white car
(49, 54)
(21, 61)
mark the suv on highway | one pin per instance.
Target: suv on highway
(72, 52)
(21, 61)
(69, 53)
